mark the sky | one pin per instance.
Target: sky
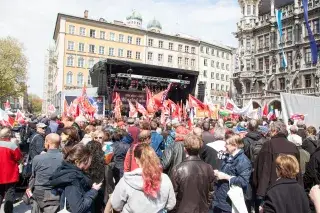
(32, 22)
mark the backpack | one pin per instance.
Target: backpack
(255, 147)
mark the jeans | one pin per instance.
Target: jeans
(7, 192)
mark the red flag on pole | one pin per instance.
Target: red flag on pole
(141, 109)
(265, 110)
(194, 102)
(133, 113)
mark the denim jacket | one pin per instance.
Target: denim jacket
(157, 142)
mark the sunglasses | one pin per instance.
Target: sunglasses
(98, 137)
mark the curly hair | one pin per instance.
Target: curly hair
(96, 169)
(151, 170)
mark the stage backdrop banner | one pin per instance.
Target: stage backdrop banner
(301, 104)
(97, 102)
(132, 96)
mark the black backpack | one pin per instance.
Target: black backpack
(255, 147)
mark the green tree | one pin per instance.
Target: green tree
(35, 104)
(13, 68)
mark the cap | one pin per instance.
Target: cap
(41, 125)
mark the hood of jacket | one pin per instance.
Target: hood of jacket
(254, 135)
(312, 138)
(67, 174)
(134, 179)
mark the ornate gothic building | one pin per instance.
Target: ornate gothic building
(259, 73)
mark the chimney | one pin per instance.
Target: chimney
(86, 13)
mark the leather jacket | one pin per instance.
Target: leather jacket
(172, 156)
(193, 182)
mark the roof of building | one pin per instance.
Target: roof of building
(135, 15)
(154, 24)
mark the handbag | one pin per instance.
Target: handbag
(235, 193)
(27, 168)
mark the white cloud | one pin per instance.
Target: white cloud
(33, 22)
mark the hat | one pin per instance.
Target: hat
(263, 129)
(41, 125)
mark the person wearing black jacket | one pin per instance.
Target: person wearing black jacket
(75, 186)
(311, 143)
(251, 137)
(37, 141)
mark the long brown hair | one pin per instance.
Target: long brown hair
(78, 154)
(151, 170)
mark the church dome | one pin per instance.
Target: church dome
(154, 24)
(134, 16)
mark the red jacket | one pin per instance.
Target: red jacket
(10, 155)
(134, 131)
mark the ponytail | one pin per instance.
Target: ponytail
(151, 170)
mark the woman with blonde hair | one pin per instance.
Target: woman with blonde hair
(146, 189)
(286, 195)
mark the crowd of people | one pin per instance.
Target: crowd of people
(141, 166)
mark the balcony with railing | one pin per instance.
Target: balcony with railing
(263, 20)
(304, 91)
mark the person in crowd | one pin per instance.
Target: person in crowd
(89, 134)
(126, 137)
(218, 143)
(293, 136)
(235, 170)
(193, 179)
(252, 137)
(75, 185)
(133, 130)
(315, 197)
(120, 150)
(80, 125)
(130, 163)
(37, 141)
(10, 157)
(69, 138)
(301, 130)
(145, 189)
(169, 135)
(264, 168)
(207, 137)
(157, 142)
(286, 195)
(53, 125)
(43, 167)
(96, 172)
(99, 136)
(69, 121)
(311, 143)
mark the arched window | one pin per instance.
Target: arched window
(80, 79)
(69, 77)
(80, 62)
(70, 60)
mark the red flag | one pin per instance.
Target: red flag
(148, 95)
(19, 115)
(193, 102)
(141, 109)
(6, 119)
(65, 107)
(265, 110)
(133, 113)
(51, 108)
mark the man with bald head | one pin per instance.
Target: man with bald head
(43, 167)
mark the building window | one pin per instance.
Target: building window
(227, 56)
(207, 50)
(248, 10)
(222, 77)
(180, 47)
(218, 65)
(112, 37)
(212, 63)
(160, 44)
(205, 62)
(91, 48)
(138, 41)
(186, 49)
(193, 50)
(170, 46)
(212, 75)
(150, 56)
(212, 51)
(70, 60)
(217, 86)
(111, 51)
(227, 89)
(91, 63)
(248, 63)
(193, 62)
(248, 43)
(81, 47)
(101, 50)
(150, 42)
(316, 26)
(307, 55)
(82, 31)
(71, 29)
(222, 87)
(266, 40)
(80, 62)
(120, 52)
(69, 77)
(121, 38)
(307, 79)
(129, 39)
(186, 60)
(260, 64)
(260, 42)
(129, 53)
(169, 58)
(80, 79)
(254, 10)
(222, 66)
(92, 33)
(227, 78)
(102, 35)
(266, 63)
(205, 73)
(201, 49)
(70, 45)
(160, 57)
(217, 76)
(222, 54)
(179, 60)
(282, 83)
(289, 58)
(138, 55)
(212, 86)
(218, 53)
(289, 34)
(227, 67)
